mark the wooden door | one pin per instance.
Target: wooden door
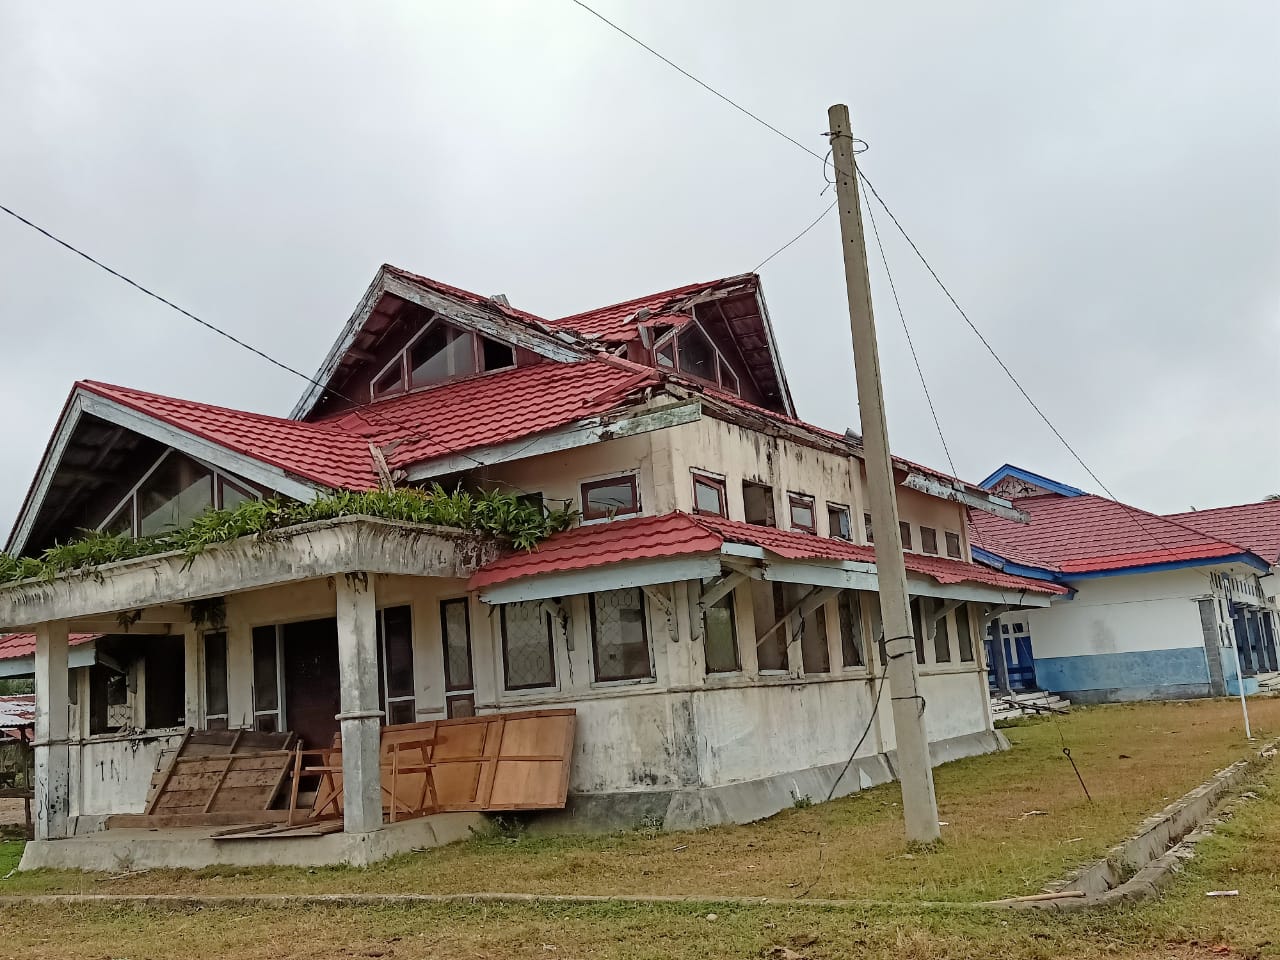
(311, 689)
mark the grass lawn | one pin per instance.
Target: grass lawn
(1134, 758)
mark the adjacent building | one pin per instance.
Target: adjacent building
(1157, 608)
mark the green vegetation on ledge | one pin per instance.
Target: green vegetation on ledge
(500, 515)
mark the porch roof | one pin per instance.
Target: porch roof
(16, 645)
(685, 535)
(347, 545)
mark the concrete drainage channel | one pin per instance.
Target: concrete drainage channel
(1136, 868)
(1131, 871)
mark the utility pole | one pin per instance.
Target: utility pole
(919, 804)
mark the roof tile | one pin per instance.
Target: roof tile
(15, 645)
(1254, 526)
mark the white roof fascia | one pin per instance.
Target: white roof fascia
(583, 433)
(613, 576)
(851, 575)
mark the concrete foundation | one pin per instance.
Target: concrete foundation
(194, 847)
(691, 808)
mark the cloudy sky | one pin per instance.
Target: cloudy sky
(1097, 183)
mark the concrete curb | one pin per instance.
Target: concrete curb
(1137, 868)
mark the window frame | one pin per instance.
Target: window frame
(218, 479)
(851, 602)
(805, 502)
(630, 477)
(671, 339)
(928, 534)
(278, 654)
(402, 360)
(506, 657)
(384, 665)
(727, 601)
(598, 680)
(716, 483)
(950, 537)
(904, 531)
(840, 509)
(449, 685)
(965, 637)
(867, 529)
(205, 715)
(941, 631)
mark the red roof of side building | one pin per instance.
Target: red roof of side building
(1088, 533)
(1255, 526)
(682, 534)
(15, 645)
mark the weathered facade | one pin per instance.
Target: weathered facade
(713, 620)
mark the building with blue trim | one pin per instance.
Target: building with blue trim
(1158, 608)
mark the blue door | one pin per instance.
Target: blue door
(1015, 642)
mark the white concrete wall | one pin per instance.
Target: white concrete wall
(114, 771)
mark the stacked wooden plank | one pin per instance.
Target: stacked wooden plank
(217, 777)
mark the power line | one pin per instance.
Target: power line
(910, 342)
(705, 86)
(168, 303)
(815, 222)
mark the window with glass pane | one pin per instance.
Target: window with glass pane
(838, 522)
(917, 628)
(392, 379)
(266, 684)
(942, 641)
(697, 356)
(729, 379)
(440, 353)
(850, 628)
(177, 492)
(122, 522)
(929, 540)
(215, 680)
(720, 636)
(768, 606)
(802, 513)
(866, 527)
(231, 495)
(708, 495)
(813, 641)
(953, 545)
(528, 657)
(455, 627)
(904, 530)
(615, 497)
(963, 630)
(619, 637)
(395, 656)
(666, 354)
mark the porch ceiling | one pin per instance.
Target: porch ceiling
(306, 552)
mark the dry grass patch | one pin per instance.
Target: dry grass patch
(1015, 820)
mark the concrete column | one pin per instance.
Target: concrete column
(361, 716)
(53, 761)
(193, 674)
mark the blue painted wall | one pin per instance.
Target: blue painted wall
(1170, 671)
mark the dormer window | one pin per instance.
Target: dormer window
(441, 352)
(692, 352)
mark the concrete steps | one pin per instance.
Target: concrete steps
(1027, 704)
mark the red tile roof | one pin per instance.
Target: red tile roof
(493, 408)
(613, 322)
(14, 645)
(451, 418)
(681, 534)
(466, 296)
(1092, 534)
(317, 452)
(1255, 526)
(17, 710)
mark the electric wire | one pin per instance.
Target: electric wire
(816, 221)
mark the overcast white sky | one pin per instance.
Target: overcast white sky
(1097, 182)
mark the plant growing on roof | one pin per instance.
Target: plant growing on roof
(501, 515)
